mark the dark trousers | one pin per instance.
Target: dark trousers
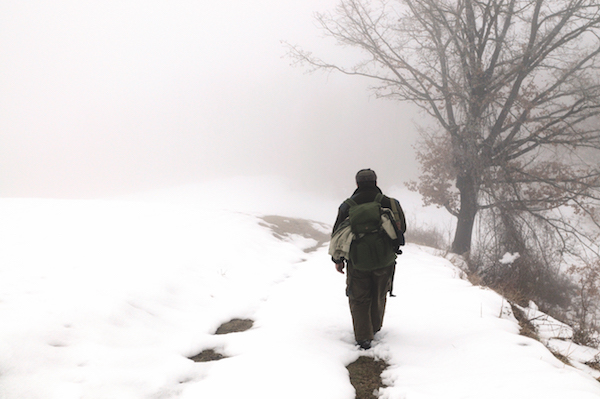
(367, 294)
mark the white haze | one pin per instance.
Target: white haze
(113, 97)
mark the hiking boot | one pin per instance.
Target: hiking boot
(366, 344)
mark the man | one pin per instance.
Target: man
(367, 289)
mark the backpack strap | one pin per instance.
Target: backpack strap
(350, 202)
(395, 209)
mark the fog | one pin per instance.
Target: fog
(102, 98)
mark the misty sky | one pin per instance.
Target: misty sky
(115, 96)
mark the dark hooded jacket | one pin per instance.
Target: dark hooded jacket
(366, 192)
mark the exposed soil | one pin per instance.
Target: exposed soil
(207, 355)
(365, 376)
(232, 326)
(235, 325)
(283, 227)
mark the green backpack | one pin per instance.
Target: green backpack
(371, 248)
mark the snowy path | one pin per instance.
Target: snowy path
(442, 337)
(108, 299)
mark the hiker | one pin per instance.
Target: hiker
(368, 280)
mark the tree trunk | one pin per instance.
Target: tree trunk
(467, 186)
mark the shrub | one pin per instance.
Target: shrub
(532, 271)
(428, 236)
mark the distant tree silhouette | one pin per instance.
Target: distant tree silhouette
(513, 87)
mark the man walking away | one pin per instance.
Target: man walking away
(370, 265)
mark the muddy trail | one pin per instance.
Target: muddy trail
(365, 376)
(284, 228)
(364, 373)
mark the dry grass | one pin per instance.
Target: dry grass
(561, 357)
(475, 279)
(527, 328)
(426, 236)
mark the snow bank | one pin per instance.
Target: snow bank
(105, 299)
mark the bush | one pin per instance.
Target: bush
(586, 299)
(532, 271)
(427, 236)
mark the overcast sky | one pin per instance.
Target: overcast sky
(107, 97)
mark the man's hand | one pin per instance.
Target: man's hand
(340, 267)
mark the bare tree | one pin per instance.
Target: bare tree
(513, 86)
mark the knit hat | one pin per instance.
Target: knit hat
(365, 175)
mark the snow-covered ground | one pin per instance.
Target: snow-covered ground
(108, 299)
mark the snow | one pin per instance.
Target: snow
(508, 258)
(109, 298)
(557, 336)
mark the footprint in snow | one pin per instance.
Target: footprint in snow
(232, 326)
